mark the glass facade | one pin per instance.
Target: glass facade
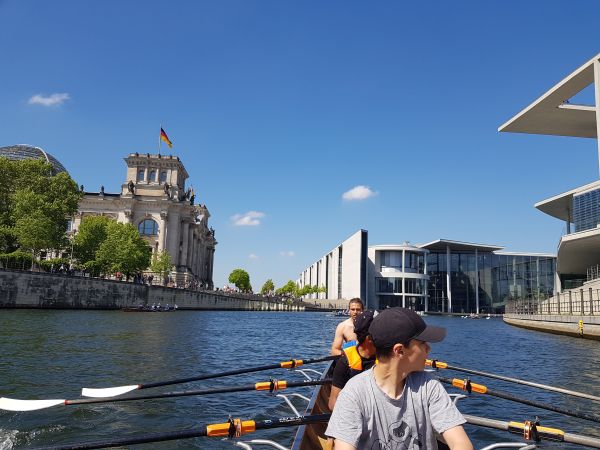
(586, 210)
(21, 151)
(498, 278)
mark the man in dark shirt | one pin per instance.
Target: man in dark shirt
(357, 356)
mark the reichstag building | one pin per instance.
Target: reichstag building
(155, 199)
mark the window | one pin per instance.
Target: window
(148, 227)
(163, 177)
(152, 176)
(140, 175)
(391, 261)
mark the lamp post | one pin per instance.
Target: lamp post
(71, 258)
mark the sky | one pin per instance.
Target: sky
(302, 122)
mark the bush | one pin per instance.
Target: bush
(16, 260)
(56, 262)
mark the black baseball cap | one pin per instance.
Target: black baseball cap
(399, 326)
(362, 323)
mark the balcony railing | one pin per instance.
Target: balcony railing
(577, 302)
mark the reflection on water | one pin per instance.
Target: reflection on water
(52, 354)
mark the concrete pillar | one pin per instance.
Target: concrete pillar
(448, 279)
(597, 95)
(476, 283)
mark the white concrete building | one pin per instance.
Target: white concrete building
(556, 113)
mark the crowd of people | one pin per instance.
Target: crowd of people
(381, 396)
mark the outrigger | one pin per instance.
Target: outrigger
(312, 423)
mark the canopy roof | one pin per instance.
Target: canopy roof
(458, 246)
(553, 114)
(560, 206)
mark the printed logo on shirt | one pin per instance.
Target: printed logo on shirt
(400, 437)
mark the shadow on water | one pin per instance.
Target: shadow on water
(52, 354)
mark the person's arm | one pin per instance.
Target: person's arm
(457, 439)
(335, 391)
(338, 340)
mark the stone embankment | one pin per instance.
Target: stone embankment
(576, 325)
(52, 291)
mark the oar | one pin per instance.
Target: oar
(233, 428)
(529, 432)
(11, 404)
(442, 365)
(118, 390)
(467, 386)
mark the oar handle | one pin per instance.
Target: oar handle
(216, 430)
(466, 385)
(282, 365)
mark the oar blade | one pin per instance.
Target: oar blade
(108, 392)
(13, 404)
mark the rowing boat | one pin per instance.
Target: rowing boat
(312, 437)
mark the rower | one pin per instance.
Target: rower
(345, 330)
(395, 404)
(358, 355)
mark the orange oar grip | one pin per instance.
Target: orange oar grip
(461, 384)
(291, 364)
(438, 364)
(266, 385)
(222, 429)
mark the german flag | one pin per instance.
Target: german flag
(165, 138)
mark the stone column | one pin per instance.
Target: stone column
(185, 230)
(190, 249)
(162, 231)
(172, 240)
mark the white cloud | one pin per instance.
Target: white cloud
(287, 253)
(49, 100)
(249, 219)
(252, 256)
(359, 193)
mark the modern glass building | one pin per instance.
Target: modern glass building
(23, 151)
(482, 279)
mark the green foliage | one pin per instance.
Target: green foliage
(241, 279)
(91, 234)
(34, 205)
(16, 260)
(48, 264)
(123, 250)
(290, 288)
(268, 287)
(161, 263)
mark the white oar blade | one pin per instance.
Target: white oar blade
(12, 404)
(108, 392)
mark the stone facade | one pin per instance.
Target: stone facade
(154, 198)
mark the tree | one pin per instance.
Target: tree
(268, 287)
(290, 288)
(34, 205)
(92, 232)
(241, 280)
(123, 250)
(161, 264)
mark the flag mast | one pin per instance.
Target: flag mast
(159, 139)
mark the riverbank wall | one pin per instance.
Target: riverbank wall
(51, 291)
(580, 326)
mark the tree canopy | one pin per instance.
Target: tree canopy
(241, 279)
(35, 205)
(268, 287)
(161, 264)
(123, 250)
(91, 234)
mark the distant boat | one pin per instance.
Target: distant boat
(342, 312)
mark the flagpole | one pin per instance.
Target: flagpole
(159, 138)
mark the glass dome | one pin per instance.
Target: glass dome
(24, 151)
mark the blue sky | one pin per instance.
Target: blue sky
(279, 108)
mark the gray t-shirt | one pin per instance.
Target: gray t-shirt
(367, 418)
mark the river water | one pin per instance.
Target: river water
(52, 354)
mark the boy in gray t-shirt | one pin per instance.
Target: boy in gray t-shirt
(395, 405)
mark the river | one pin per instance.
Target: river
(52, 354)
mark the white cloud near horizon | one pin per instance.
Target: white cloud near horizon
(252, 256)
(49, 100)
(287, 253)
(249, 219)
(359, 193)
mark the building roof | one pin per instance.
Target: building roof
(552, 113)
(441, 244)
(20, 152)
(578, 251)
(560, 205)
